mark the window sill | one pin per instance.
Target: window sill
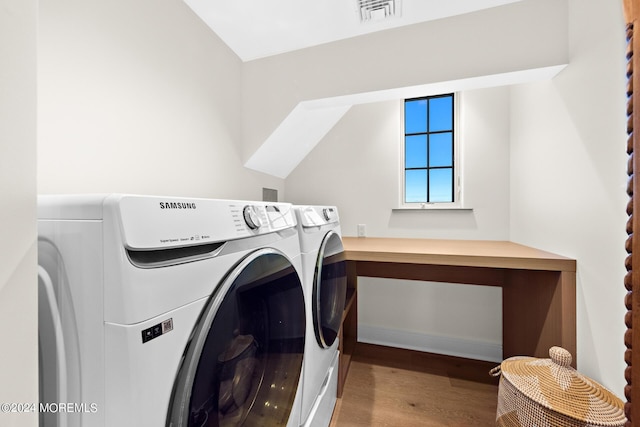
(428, 207)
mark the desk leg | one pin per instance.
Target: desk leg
(538, 312)
(348, 334)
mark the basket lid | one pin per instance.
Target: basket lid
(554, 384)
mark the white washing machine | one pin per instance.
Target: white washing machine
(325, 285)
(162, 311)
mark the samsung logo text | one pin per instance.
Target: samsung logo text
(177, 205)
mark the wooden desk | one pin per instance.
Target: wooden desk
(538, 287)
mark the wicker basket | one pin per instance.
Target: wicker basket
(550, 393)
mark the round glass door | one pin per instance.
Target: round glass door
(329, 290)
(243, 362)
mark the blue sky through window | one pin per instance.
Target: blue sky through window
(429, 155)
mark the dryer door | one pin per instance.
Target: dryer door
(244, 359)
(329, 290)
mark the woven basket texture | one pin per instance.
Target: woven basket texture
(549, 393)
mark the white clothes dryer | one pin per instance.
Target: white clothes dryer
(163, 311)
(325, 285)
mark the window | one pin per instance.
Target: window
(429, 150)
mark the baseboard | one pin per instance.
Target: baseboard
(451, 346)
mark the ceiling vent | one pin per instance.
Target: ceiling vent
(377, 10)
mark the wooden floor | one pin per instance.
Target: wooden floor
(395, 387)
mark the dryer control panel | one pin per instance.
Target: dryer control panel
(315, 216)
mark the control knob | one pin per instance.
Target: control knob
(328, 213)
(251, 217)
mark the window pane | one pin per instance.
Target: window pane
(415, 116)
(441, 149)
(415, 151)
(441, 113)
(440, 185)
(429, 149)
(415, 186)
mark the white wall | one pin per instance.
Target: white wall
(138, 97)
(554, 178)
(568, 178)
(18, 301)
(356, 167)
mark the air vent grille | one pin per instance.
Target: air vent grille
(376, 10)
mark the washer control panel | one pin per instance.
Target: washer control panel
(150, 222)
(260, 218)
(251, 217)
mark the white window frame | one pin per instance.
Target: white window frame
(457, 165)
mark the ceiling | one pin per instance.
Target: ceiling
(257, 28)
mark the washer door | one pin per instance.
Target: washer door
(329, 290)
(58, 349)
(243, 361)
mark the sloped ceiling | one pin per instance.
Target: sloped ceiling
(257, 28)
(259, 31)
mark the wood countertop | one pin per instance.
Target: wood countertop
(471, 253)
